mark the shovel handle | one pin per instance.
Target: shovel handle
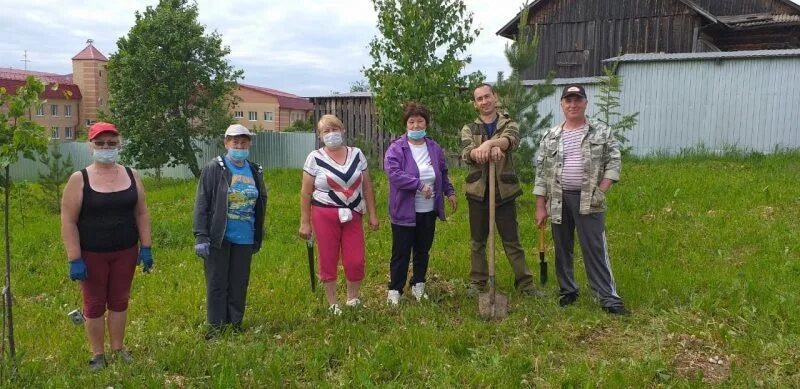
(490, 243)
(541, 238)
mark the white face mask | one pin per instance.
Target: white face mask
(333, 139)
(107, 156)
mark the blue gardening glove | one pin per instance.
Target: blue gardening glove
(145, 258)
(203, 250)
(77, 269)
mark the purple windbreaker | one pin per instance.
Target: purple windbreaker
(403, 175)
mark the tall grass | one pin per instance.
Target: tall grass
(704, 252)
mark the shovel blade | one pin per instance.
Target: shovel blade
(492, 310)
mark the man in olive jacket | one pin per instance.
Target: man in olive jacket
(492, 137)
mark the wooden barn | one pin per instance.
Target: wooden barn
(577, 35)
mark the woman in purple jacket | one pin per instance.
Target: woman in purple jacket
(418, 185)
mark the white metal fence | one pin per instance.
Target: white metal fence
(272, 150)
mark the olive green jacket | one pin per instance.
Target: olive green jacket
(601, 159)
(472, 135)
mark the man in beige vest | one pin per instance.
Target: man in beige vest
(576, 164)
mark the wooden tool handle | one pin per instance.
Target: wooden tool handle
(490, 243)
(541, 238)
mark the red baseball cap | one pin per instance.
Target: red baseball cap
(101, 127)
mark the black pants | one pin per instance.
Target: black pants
(227, 272)
(405, 239)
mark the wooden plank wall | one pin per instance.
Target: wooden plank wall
(360, 121)
(589, 31)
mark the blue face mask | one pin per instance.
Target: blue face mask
(416, 134)
(238, 155)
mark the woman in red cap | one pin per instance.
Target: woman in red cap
(106, 231)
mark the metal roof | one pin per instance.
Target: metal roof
(566, 81)
(342, 95)
(285, 100)
(764, 19)
(652, 57)
(90, 53)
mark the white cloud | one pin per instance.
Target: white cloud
(301, 46)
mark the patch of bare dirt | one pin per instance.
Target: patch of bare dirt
(700, 357)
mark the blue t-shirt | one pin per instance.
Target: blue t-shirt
(242, 195)
(491, 127)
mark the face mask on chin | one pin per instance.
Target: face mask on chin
(333, 139)
(417, 134)
(106, 156)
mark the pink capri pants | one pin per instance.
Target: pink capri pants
(335, 239)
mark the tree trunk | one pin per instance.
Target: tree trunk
(7, 289)
(190, 157)
(158, 177)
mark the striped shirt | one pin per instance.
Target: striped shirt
(337, 185)
(572, 173)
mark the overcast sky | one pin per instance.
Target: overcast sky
(306, 47)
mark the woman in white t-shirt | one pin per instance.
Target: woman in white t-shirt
(336, 191)
(418, 185)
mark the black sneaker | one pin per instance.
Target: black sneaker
(618, 310)
(97, 363)
(567, 299)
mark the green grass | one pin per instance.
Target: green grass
(704, 252)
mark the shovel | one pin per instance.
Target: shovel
(492, 305)
(310, 247)
(542, 262)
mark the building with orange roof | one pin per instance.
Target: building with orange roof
(265, 109)
(74, 101)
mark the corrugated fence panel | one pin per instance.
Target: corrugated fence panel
(745, 103)
(749, 103)
(272, 150)
(552, 103)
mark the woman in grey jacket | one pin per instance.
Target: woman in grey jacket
(229, 228)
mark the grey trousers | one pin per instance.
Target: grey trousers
(227, 271)
(592, 237)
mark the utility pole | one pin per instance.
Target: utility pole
(25, 60)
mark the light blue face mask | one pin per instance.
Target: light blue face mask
(238, 155)
(107, 156)
(416, 134)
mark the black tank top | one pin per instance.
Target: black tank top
(107, 221)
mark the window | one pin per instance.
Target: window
(54, 134)
(68, 133)
(40, 110)
(252, 115)
(268, 116)
(295, 116)
(53, 110)
(238, 114)
(67, 111)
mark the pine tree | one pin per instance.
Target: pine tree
(58, 171)
(608, 108)
(521, 101)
